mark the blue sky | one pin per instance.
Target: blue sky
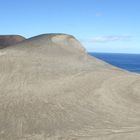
(101, 25)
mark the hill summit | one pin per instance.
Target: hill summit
(7, 40)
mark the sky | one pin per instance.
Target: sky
(100, 25)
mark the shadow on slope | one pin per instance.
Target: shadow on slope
(8, 40)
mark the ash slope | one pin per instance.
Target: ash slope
(50, 88)
(8, 40)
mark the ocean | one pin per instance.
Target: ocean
(130, 62)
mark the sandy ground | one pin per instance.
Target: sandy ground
(51, 89)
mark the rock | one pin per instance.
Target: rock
(8, 40)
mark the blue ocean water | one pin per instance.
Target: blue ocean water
(130, 62)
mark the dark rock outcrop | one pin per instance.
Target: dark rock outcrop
(8, 40)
